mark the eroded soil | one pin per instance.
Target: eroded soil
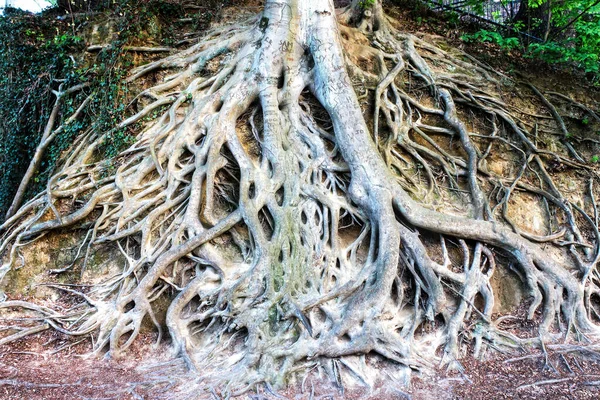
(51, 366)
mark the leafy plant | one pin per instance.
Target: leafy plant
(508, 43)
(565, 32)
(366, 4)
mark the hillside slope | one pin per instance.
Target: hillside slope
(554, 106)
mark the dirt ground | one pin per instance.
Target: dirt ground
(53, 367)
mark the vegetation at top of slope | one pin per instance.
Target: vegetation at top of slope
(565, 32)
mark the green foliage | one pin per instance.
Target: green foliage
(366, 4)
(573, 37)
(565, 32)
(583, 46)
(507, 43)
(34, 53)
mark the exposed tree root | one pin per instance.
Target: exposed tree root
(286, 224)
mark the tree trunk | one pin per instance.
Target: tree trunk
(536, 20)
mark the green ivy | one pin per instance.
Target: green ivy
(35, 52)
(366, 4)
(39, 52)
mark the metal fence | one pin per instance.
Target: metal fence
(492, 11)
(498, 13)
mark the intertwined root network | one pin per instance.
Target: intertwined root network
(285, 204)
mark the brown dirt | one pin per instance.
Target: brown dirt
(562, 377)
(28, 370)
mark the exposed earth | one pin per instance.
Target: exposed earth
(53, 366)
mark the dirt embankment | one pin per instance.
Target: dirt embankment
(51, 366)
